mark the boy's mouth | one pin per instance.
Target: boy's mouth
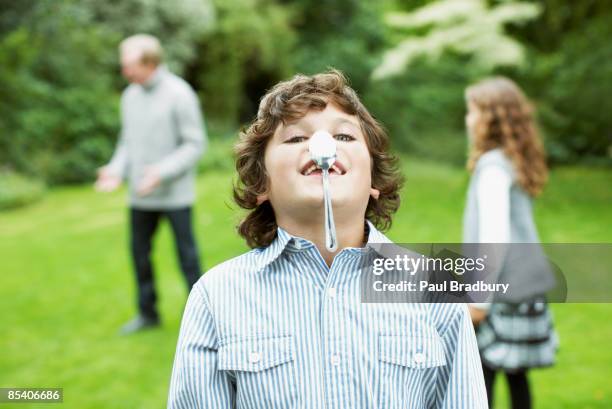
(310, 168)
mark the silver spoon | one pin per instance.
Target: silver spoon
(322, 147)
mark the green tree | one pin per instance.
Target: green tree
(179, 24)
(436, 50)
(571, 86)
(570, 77)
(58, 67)
(343, 34)
(60, 106)
(466, 27)
(248, 50)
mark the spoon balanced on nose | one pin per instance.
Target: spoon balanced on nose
(322, 148)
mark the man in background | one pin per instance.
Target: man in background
(162, 137)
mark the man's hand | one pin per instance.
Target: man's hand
(150, 180)
(107, 181)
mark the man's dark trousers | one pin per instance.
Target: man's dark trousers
(143, 225)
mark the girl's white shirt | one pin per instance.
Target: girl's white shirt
(493, 196)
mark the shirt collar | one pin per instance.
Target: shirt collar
(155, 78)
(285, 240)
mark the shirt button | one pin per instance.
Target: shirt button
(331, 292)
(298, 245)
(335, 360)
(419, 357)
(254, 357)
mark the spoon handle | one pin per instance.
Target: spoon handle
(331, 242)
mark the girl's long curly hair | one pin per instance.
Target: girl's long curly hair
(506, 120)
(289, 101)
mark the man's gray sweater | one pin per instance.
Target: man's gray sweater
(161, 126)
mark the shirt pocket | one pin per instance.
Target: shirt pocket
(264, 371)
(408, 366)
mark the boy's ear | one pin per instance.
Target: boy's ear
(375, 193)
(262, 198)
(265, 195)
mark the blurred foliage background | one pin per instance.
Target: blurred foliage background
(410, 60)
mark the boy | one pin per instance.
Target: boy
(283, 326)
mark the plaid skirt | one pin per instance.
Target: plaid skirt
(517, 337)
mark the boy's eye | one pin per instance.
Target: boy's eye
(296, 139)
(344, 137)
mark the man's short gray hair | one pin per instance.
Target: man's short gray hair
(146, 45)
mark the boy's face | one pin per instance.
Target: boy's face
(295, 191)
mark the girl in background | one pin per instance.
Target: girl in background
(508, 167)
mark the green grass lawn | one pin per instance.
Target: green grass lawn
(66, 286)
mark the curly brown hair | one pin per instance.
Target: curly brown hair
(507, 121)
(289, 101)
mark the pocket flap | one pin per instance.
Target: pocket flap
(416, 351)
(256, 354)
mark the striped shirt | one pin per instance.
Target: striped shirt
(277, 328)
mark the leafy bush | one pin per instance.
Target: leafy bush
(61, 102)
(571, 88)
(438, 49)
(178, 24)
(557, 51)
(60, 83)
(247, 51)
(219, 156)
(423, 108)
(345, 34)
(17, 190)
(59, 62)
